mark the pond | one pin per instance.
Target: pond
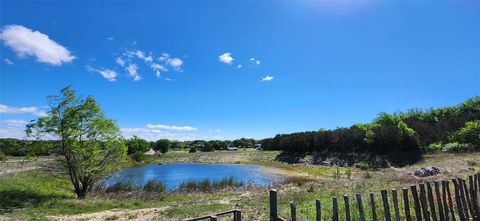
(175, 174)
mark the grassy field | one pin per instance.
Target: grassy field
(34, 195)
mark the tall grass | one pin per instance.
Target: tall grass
(149, 186)
(208, 186)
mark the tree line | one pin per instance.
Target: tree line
(398, 134)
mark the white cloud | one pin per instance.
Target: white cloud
(110, 38)
(8, 61)
(226, 58)
(4, 109)
(132, 71)
(175, 63)
(239, 66)
(164, 57)
(266, 78)
(108, 74)
(141, 55)
(170, 127)
(254, 61)
(12, 132)
(158, 69)
(154, 132)
(15, 123)
(120, 61)
(25, 42)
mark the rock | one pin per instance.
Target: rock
(424, 172)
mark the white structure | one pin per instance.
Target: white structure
(150, 152)
(229, 148)
(258, 146)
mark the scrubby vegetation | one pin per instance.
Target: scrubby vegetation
(398, 137)
(207, 185)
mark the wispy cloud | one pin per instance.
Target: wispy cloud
(226, 58)
(132, 71)
(8, 61)
(239, 66)
(254, 61)
(175, 63)
(108, 74)
(131, 57)
(15, 123)
(170, 127)
(110, 38)
(26, 42)
(4, 109)
(266, 78)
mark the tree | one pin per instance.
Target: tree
(136, 144)
(91, 145)
(470, 134)
(162, 145)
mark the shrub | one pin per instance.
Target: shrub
(367, 175)
(362, 165)
(458, 147)
(154, 186)
(192, 150)
(122, 187)
(469, 134)
(348, 173)
(3, 157)
(139, 156)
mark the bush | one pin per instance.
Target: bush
(139, 156)
(3, 157)
(458, 147)
(192, 150)
(469, 134)
(122, 187)
(154, 186)
(362, 165)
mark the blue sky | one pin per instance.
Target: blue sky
(230, 69)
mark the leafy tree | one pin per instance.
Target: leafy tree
(162, 145)
(90, 144)
(136, 144)
(470, 134)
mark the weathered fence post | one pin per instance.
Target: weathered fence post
(372, 204)
(416, 203)
(462, 198)
(439, 201)
(335, 209)
(460, 210)
(318, 208)
(431, 202)
(347, 208)
(293, 211)
(406, 204)
(423, 202)
(395, 204)
(213, 218)
(473, 195)
(469, 200)
(273, 205)
(450, 201)
(237, 215)
(360, 207)
(386, 207)
(444, 199)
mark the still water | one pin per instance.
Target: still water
(174, 174)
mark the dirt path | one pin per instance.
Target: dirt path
(116, 214)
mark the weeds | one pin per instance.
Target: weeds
(208, 186)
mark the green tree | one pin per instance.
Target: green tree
(91, 145)
(162, 145)
(469, 134)
(137, 144)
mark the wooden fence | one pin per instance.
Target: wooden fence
(236, 213)
(432, 201)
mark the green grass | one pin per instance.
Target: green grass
(35, 196)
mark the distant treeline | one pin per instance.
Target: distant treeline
(16, 147)
(402, 133)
